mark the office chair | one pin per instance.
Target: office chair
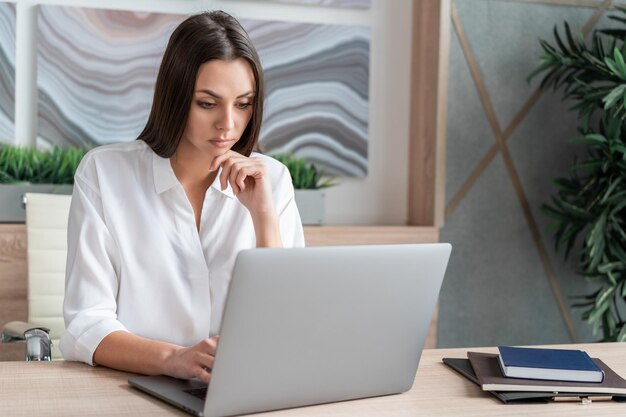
(46, 233)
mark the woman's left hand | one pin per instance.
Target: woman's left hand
(249, 180)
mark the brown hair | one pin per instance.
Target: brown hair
(200, 38)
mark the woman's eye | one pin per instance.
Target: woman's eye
(244, 106)
(206, 105)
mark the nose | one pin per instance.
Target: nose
(226, 120)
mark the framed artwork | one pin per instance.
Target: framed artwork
(317, 97)
(97, 67)
(358, 4)
(7, 72)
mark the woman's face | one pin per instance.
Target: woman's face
(221, 106)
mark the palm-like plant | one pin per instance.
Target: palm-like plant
(591, 202)
(304, 175)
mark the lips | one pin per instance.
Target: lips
(221, 143)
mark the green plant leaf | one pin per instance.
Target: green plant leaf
(611, 266)
(590, 138)
(572, 210)
(619, 62)
(304, 175)
(596, 241)
(590, 165)
(599, 309)
(55, 166)
(613, 66)
(611, 98)
(621, 336)
(574, 46)
(559, 42)
(617, 147)
(609, 191)
(622, 234)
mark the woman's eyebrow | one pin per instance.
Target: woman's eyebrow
(217, 96)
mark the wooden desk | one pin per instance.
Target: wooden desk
(73, 389)
(14, 305)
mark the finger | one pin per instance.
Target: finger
(241, 169)
(203, 374)
(241, 177)
(259, 168)
(208, 346)
(211, 361)
(205, 361)
(219, 160)
(238, 169)
(200, 362)
(226, 167)
(215, 340)
(233, 185)
(253, 169)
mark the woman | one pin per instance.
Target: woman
(155, 224)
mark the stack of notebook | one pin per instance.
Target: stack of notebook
(540, 375)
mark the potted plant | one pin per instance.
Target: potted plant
(309, 184)
(589, 210)
(25, 169)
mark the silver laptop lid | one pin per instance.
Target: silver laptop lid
(317, 325)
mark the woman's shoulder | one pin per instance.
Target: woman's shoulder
(116, 152)
(118, 156)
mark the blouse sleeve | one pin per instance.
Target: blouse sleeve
(91, 278)
(291, 229)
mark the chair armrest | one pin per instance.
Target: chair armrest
(15, 331)
(37, 338)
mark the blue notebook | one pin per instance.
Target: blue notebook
(550, 364)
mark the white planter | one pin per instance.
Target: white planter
(311, 205)
(11, 203)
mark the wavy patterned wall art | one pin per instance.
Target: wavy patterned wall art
(7, 72)
(361, 4)
(97, 70)
(317, 92)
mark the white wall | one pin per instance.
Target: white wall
(381, 197)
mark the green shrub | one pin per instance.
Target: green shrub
(590, 205)
(30, 165)
(304, 175)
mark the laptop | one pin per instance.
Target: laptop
(308, 326)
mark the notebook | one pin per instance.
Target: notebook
(489, 374)
(554, 364)
(330, 324)
(463, 367)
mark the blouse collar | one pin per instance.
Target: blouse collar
(164, 177)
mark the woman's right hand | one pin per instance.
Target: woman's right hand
(192, 362)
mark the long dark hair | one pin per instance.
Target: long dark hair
(200, 38)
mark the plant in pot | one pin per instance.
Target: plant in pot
(309, 184)
(26, 169)
(589, 209)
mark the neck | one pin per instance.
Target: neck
(191, 166)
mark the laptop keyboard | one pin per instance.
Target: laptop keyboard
(197, 392)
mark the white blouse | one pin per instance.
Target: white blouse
(136, 261)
